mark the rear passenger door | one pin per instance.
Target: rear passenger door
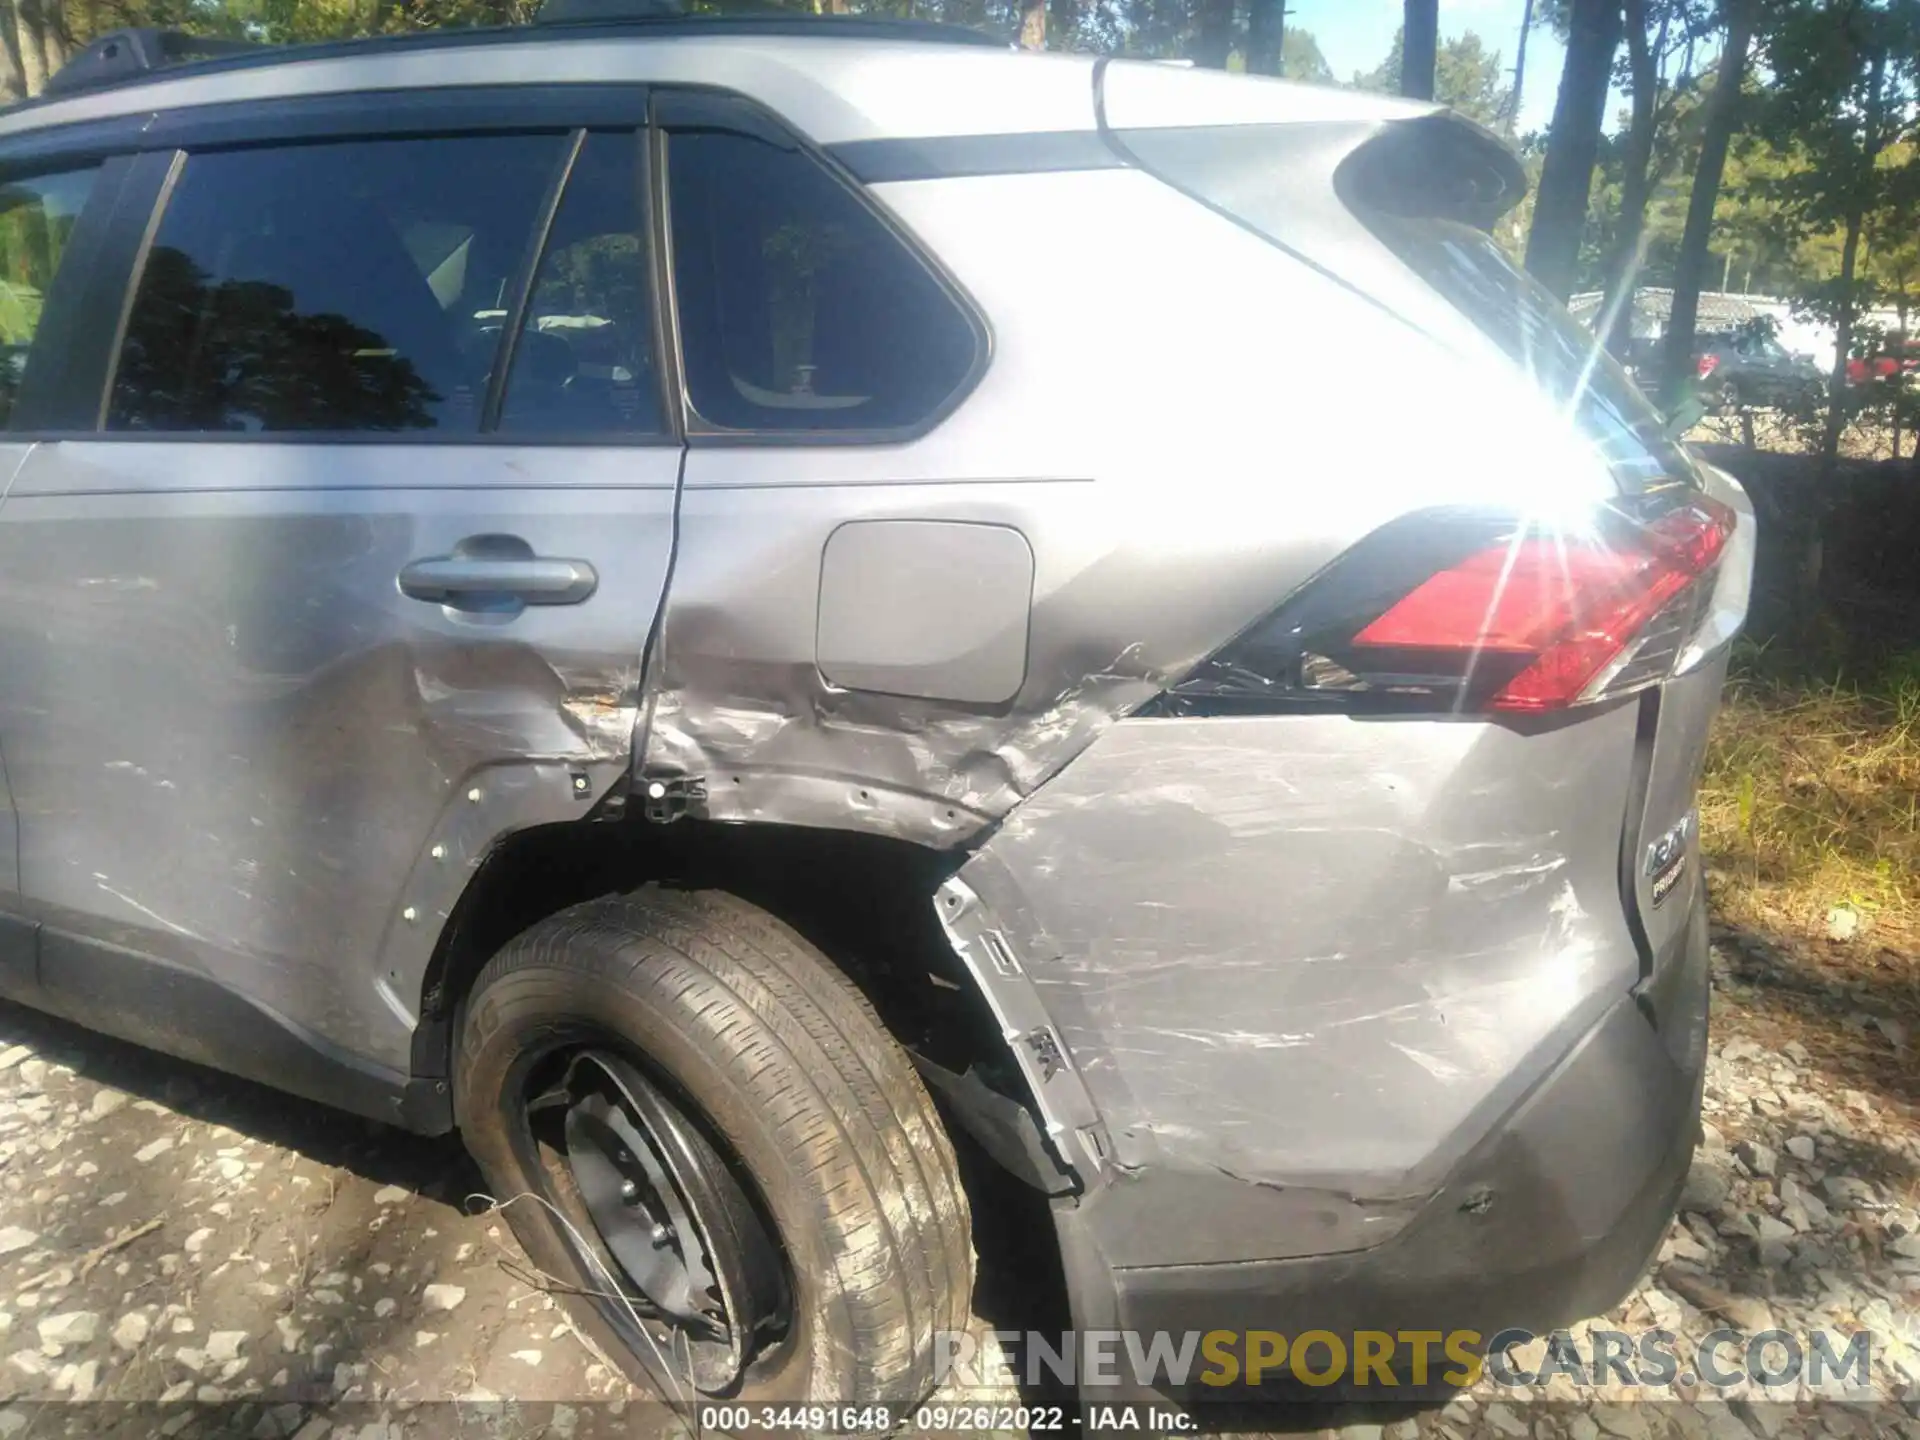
(40, 208)
(342, 562)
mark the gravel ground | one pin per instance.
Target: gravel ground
(195, 1255)
(167, 1234)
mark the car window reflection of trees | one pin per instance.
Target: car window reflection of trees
(236, 356)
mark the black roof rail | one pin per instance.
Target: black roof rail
(123, 55)
(673, 17)
(599, 12)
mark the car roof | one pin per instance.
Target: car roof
(838, 82)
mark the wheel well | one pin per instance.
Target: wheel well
(866, 901)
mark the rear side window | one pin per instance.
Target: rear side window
(356, 286)
(583, 364)
(799, 308)
(37, 216)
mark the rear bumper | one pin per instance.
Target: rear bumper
(1343, 1025)
(1551, 1218)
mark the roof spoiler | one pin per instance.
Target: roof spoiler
(123, 55)
(1441, 166)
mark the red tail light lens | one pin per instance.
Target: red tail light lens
(1569, 606)
(1449, 611)
(1707, 364)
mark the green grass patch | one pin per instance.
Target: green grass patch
(1811, 799)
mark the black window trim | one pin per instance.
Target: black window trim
(954, 157)
(59, 386)
(708, 107)
(153, 147)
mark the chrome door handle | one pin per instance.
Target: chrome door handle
(497, 568)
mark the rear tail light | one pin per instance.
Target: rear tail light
(1707, 364)
(1453, 611)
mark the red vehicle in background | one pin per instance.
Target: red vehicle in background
(1897, 357)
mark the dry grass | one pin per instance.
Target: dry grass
(1811, 802)
(1866, 437)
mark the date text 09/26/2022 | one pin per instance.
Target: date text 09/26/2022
(1230, 1364)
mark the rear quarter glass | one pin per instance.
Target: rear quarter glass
(1284, 182)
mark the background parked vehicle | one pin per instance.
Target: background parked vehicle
(1739, 369)
(1751, 368)
(1891, 358)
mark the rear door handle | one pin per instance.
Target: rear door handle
(487, 570)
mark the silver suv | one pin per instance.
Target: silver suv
(717, 602)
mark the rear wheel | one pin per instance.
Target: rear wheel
(701, 1132)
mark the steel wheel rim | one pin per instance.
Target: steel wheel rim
(700, 1283)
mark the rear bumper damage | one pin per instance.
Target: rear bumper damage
(1341, 1024)
(1550, 1219)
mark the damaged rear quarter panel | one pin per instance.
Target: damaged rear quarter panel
(1300, 963)
(1161, 513)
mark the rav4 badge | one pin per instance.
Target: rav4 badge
(1667, 858)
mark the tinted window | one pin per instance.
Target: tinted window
(36, 217)
(584, 362)
(799, 309)
(334, 287)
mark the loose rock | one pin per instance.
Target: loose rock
(104, 1103)
(1707, 1188)
(224, 1345)
(76, 1327)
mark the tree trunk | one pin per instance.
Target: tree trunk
(1063, 22)
(1033, 24)
(1420, 48)
(33, 56)
(1560, 206)
(1870, 143)
(13, 77)
(1214, 38)
(1636, 180)
(1266, 31)
(1511, 116)
(1690, 268)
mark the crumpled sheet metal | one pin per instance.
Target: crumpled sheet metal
(1067, 1111)
(1313, 957)
(735, 696)
(912, 769)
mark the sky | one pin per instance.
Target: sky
(1356, 34)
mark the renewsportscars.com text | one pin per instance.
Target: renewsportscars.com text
(1233, 1359)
